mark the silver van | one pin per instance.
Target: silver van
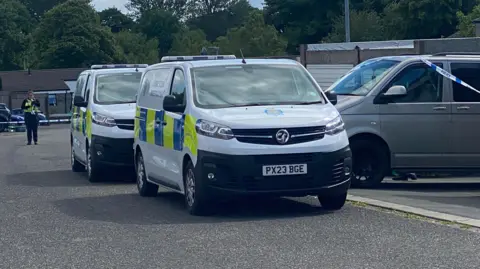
(402, 114)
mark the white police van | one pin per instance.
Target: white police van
(216, 126)
(102, 120)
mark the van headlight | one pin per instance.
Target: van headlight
(335, 126)
(103, 120)
(214, 130)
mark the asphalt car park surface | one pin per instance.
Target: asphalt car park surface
(53, 218)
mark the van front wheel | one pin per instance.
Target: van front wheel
(370, 163)
(196, 199)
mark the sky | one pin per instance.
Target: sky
(120, 4)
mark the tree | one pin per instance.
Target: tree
(176, 7)
(38, 7)
(70, 35)
(162, 25)
(115, 20)
(136, 48)
(204, 7)
(365, 26)
(216, 24)
(16, 25)
(188, 43)
(254, 38)
(302, 21)
(426, 18)
(465, 25)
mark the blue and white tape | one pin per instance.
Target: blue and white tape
(448, 75)
(40, 121)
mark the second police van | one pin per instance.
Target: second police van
(211, 127)
(102, 118)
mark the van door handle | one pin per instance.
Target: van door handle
(463, 107)
(158, 122)
(439, 108)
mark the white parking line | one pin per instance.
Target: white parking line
(416, 211)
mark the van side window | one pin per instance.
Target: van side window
(423, 84)
(178, 85)
(87, 91)
(80, 85)
(145, 83)
(468, 72)
(159, 81)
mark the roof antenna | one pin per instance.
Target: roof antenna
(243, 58)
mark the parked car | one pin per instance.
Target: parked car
(402, 113)
(5, 115)
(17, 115)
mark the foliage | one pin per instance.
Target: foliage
(188, 43)
(162, 25)
(136, 48)
(115, 20)
(70, 35)
(38, 7)
(255, 38)
(302, 21)
(365, 26)
(16, 25)
(465, 26)
(177, 8)
(217, 24)
(428, 18)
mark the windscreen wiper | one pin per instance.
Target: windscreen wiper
(348, 94)
(309, 103)
(251, 104)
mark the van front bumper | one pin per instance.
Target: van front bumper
(113, 151)
(328, 173)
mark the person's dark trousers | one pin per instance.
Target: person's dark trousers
(31, 123)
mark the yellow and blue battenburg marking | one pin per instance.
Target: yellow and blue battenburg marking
(169, 133)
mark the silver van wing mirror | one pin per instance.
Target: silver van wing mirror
(397, 90)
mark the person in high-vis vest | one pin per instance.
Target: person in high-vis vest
(31, 109)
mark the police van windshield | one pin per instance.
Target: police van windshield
(253, 85)
(362, 78)
(117, 88)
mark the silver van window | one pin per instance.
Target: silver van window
(468, 72)
(361, 79)
(423, 84)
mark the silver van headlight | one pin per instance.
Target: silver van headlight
(335, 126)
(214, 130)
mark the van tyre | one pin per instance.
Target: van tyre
(76, 165)
(370, 163)
(93, 169)
(196, 199)
(333, 202)
(145, 188)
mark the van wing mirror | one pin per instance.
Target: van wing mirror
(172, 104)
(397, 90)
(332, 97)
(79, 101)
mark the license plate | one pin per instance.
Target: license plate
(285, 169)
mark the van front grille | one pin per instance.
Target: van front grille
(267, 136)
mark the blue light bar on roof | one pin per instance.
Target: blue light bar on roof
(196, 58)
(109, 66)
